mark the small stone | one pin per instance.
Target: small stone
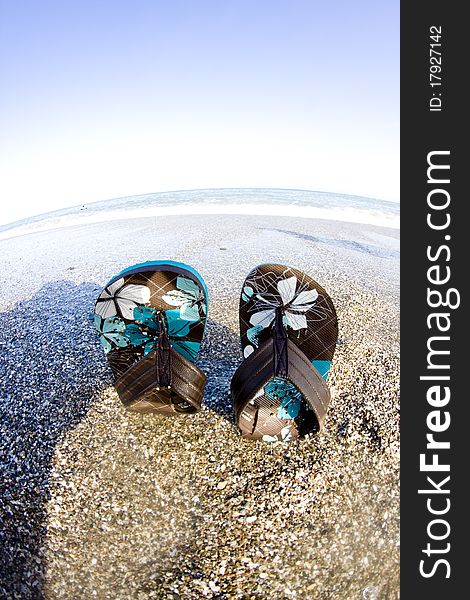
(170, 501)
(251, 519)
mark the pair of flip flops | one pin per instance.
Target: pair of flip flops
(151, 320)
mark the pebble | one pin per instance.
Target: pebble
(83, 479)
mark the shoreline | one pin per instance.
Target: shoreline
(347, 215)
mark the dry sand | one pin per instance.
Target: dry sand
(98, 503)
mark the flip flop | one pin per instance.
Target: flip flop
(151, 319)
(288, 328)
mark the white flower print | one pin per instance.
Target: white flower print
(285, 433)
(248, 350)
(187, 297)
(122, 298)
(294, 305)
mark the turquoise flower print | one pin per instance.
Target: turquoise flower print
(178, 330)
(144, 332)
(253, 336)
(112, 332)
(139, 337)
(177, 327)
(188, 297)
(247, 293)
(288, 394)
(145, 314)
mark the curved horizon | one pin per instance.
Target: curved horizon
(308, 204)
(72, 208)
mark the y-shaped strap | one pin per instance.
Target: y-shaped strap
(165, 379)
(262, 365)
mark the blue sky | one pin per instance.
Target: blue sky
(107, 99)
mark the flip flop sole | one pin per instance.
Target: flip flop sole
(310, 321)
(125, 318)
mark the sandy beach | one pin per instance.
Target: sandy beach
(99, 503)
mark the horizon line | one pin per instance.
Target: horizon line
(12, 224)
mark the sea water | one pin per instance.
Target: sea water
(240, 201)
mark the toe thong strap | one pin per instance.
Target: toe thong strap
(173, 382)
(260, 366)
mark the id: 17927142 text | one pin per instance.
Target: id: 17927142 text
(435, 68)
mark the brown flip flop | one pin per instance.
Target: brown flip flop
(151, 319)
(288, 328)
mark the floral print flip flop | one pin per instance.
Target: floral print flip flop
(288, 328)
(151, 319)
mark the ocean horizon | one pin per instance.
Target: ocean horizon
(232, 201)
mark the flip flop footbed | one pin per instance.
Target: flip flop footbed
(309, 318)
(126, 311)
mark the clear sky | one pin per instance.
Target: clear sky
(101, 99)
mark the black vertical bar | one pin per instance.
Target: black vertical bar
(423, 130)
